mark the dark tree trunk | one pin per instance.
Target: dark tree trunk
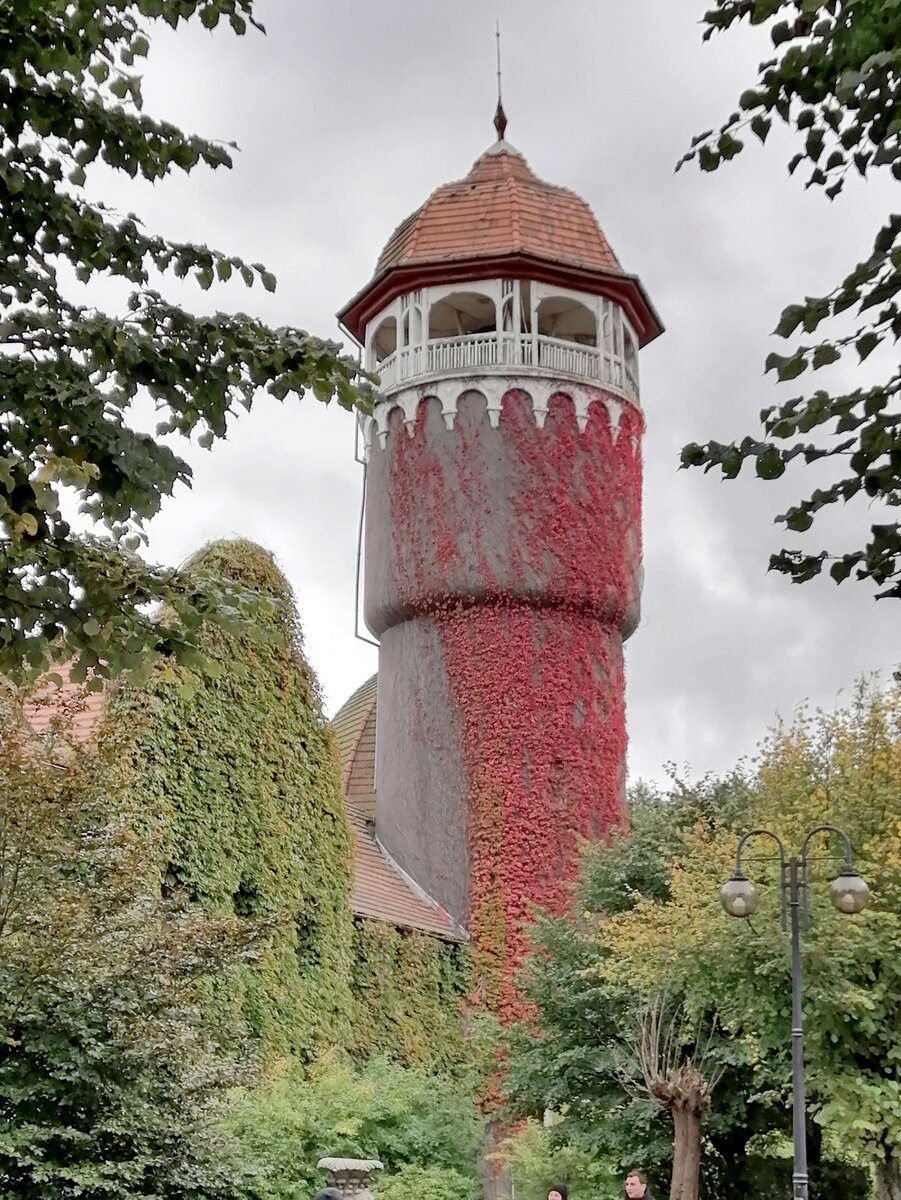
(830, 1180)
(686, 1153)
(888, 1176)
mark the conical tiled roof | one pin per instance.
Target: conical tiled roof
(501, 207)
(501, 220)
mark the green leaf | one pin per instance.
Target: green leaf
(693, 455)
(760, 125)
(813, 146)
(770, 464)
(824, 355)
(866, 344)
(842, 569)
(798, 521)
(792, 368)
(789, 321)
(708, 159)
(729, 146)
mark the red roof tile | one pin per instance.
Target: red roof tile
(501, 207)
(84, 710)
(381, 893)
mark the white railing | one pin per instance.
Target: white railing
(452, 354)
(387, 371)
(569, 358)
(447, 355)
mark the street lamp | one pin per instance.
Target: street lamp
(850, 894)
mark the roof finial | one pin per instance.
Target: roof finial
(500, 117)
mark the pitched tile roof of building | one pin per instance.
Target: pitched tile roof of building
(381, 891)
(501, 207)
(354, 726)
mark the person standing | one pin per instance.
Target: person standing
(637, 1187)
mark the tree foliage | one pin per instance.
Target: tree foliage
(840, 768)
(536, 1160)
(648, 918)
(423, 1127)
(835, 80)
(70, 97)
(108, 1080)
(577, 1054)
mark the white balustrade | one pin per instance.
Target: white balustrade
(441, 356)
(387, 370)
(452, 354)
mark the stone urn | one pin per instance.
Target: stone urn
(350, 1175)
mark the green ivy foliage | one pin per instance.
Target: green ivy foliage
(409, 991)
(238, 769)
(237, 774)
(109, 1083)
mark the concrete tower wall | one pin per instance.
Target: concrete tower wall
(502, 575)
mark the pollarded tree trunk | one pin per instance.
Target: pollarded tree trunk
(675, 1081)
(686, 1152)
(888, 1176)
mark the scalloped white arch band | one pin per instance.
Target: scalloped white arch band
(492, 388)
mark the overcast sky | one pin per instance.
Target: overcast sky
(348, 115)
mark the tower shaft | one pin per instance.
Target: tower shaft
(502, 564)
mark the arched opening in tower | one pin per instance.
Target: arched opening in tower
(462, 314)
(567, 320)
(384, 341)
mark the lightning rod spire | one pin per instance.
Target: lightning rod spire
(500, 117)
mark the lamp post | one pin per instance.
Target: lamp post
(850, 894)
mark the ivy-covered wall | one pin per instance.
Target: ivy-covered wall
(409, 994)
(238, 777)
(240, 771)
